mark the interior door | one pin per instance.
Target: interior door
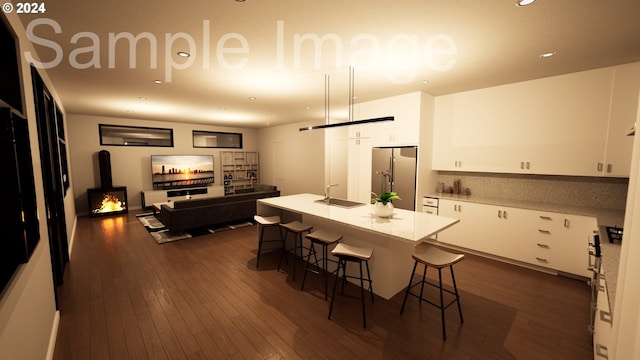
(51, 176)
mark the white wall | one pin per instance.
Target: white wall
(131, 165)
(28, 317)
(291, 159)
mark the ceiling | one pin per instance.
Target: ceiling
(253, 63)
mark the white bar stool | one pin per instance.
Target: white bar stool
(297, 229)
(264, 223)
(356, 254)
(436, 258)
(324, 239)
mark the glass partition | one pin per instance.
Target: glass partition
(214, 139)
(135, 136)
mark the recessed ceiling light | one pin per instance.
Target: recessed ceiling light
(547, 54)
(142, 98)
(183, 54)
(525, 2)
(424, 82)
(252, 98)
(157, 81)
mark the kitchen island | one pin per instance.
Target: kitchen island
(392, 239)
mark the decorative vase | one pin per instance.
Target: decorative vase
(384, 210)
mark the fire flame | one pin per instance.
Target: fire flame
(110, 203)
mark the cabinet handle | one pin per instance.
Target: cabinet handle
(566, 223)
(504, 214)
(544, 246)
(542, 259)
(605, 316)
(500, 214)
(544, 231)
(600, 166)
(602, 351)
(522, 165)
(609, 168)
(545, 217)
(528, 165)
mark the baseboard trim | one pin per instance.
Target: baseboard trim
(54, 335)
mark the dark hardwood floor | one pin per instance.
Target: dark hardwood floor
(126, 297)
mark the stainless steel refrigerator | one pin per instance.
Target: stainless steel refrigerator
(394, 169)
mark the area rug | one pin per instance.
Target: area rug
(162, 235)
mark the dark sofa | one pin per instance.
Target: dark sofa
(187, 214)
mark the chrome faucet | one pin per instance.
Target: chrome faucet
(327, 192)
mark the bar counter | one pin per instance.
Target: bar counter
(393, 239)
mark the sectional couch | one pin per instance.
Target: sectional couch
(187, 214)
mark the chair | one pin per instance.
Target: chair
(264, 223)
(324, 239)
(439, 259)
(297, 229)
(348, 253)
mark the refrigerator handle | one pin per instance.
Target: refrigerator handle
(392, 173)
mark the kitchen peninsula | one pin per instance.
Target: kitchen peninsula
(393, 239)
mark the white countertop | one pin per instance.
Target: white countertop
(606, 217)
(406, 225)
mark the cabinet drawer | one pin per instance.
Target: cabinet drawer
(430, 201)
(543, 258)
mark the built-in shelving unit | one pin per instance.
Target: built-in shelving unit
(240, 171)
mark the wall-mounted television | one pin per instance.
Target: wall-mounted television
(179, 171)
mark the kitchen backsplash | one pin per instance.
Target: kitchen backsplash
(607, 193)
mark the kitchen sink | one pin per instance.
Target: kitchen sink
(341, 202)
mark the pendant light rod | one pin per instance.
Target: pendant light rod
(326, 99)
(351, 92)
(351, 106)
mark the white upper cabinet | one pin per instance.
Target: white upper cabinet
(404, 130)
(556, 125)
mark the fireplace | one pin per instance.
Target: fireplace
(111, 201)
(108, 199)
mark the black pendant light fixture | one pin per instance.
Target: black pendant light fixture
(351, 102)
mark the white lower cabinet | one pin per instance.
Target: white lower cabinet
(470, 232)
(551, 240)
(602, 316)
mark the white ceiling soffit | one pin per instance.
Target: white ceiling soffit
(262, 62)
